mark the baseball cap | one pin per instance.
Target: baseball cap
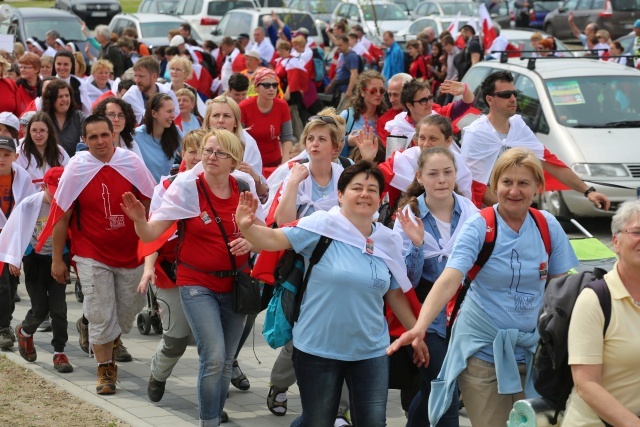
(253, 54)
(52, 177)
(301, 31)
(176, 41)
(26, 117)
(8, 119)
(7, 144)
(636, 24)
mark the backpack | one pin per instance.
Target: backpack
(318, 64)
(551, 361)
(490, 237)
(289, 287)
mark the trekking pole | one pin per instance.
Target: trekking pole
(581, 228)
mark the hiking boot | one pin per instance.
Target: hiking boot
(61, 363)
(120, 353)
(83, 335)
(107, 377)
(238, 379)
(25, 345)
(155, 389)
(7, 338)
(45, 326)
(277, 401)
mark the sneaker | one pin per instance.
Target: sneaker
(238, 379)
(277, 401)
(83, 335)
(120, 353)
(7, 338)
(45, 326)
(224, 417)
(25, 345)
(107, 377)
(155, 389)
(61, 363)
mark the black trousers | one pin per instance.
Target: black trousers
(8, 285)
(47, 297)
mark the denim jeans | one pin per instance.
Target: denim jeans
(320, 383)
(217, 330)
(419, 409)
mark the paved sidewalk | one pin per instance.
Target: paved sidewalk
(179, 406)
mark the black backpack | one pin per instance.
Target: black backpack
(551, 362)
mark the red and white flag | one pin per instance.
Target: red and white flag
(454, 29)
(488, 32)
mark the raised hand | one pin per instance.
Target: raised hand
(298, 174)
(453, 87)
(367, 142)
(246, 210)
(413, 230)
(246, 168)
(133, 208)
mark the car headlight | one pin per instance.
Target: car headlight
(80, 7)
(600, 169)
(114, 6)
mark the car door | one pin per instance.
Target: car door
(529, 106)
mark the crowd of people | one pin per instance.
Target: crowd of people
(175, 168)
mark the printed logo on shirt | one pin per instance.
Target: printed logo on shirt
(523, 301)
(273, 132)
(376, 283)
(115, 221)
(236, 231)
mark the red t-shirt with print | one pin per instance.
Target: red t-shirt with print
(99, 228)
(265, 128)
(203, 248)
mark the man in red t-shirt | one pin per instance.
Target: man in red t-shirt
(104, 243)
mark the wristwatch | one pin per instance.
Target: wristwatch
(589, 190)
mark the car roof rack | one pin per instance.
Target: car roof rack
(531, 65)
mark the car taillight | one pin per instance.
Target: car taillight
(512, 15)
(532, 15)
(209, 21)
(608, 10)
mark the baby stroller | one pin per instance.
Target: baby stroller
(150, 316)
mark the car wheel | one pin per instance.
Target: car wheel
(548, 28)
(552, 202)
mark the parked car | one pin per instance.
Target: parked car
(204, 15)
(539, 11)
(500, 11)
(238, 21)
(376, 16)
(92, 12)
(627, 42)
(585, 112)
(445, 8)
(320, 9)
(438, 23)
(36, 21)
(615, 16)
(153, 29)
(166, 7)
(407, 5)
(521, 38)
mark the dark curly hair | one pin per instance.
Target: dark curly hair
(170, 140)
(129, 117)
(52, 154)
(488, 86)
(357, 100)
(50, 96)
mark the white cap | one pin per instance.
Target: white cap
(8, 119)
(176, 41)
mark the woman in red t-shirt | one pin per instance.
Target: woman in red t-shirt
(204, 260)
(268, 121)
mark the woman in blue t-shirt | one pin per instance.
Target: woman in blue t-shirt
(341, 333)
(495, 334)
(431, 217)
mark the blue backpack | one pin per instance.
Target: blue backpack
(290, 284)
(318, 64)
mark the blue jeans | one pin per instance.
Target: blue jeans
(217, 330)
(419, 409)
(320, 383)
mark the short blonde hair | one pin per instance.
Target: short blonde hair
(229, 142)
(18, 49)
(515, 157)
(223, 99)
(182, 62)
(81, 65)
(299, 41)
(100, 64)
(536, 37)
(336, 131)
(186, 92)
(193, 140)
(46, 60)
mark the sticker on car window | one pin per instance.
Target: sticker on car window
(565, 93)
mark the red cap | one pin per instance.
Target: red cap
(52, 177)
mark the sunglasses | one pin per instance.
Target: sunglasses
(425, 100)
(506, 94)
(268, 85)
(326, 119)
(374, 90)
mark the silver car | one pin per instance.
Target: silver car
(586, 112)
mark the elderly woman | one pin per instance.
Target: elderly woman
(99, 82)
(348, 286)
(503, 300)
(605, 368)
(29, 81)
(123, 119)
(268, 121)
(46, 66)
(205, 200)
(180, 70)
(58, 102)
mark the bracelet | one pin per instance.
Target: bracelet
(589, 190)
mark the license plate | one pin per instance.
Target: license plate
(99, 14)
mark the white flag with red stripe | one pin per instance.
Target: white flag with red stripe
(488, 32)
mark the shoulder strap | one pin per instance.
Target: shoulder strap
(344, 161)
(543, 227)
(318, 252)
(243, 186)
(350, 119)
(604, 297)
(490, 237)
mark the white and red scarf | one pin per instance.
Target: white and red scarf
(17, 232)
(22, 187)
(304, 196)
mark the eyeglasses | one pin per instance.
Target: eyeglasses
(326, 119)
(113, 116)
(375, 90)
(634, 232)
(268, 85)
(506, 94)
(39, 131)
(208, 152)
(424, 101)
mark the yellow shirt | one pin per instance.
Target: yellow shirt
(618, 352)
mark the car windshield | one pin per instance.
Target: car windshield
(69, 29)
(383, 12)
(157, 29)
(219, 8)
(625, 5)
(468, 9)
(166, 6)
(322, 6)
(596, 102)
